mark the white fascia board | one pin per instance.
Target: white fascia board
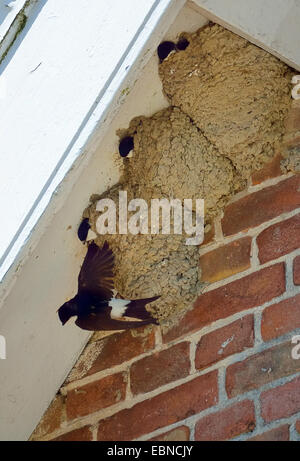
(273, 25)
(47, 255)
(8, 12)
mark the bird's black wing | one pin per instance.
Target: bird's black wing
(96, 274)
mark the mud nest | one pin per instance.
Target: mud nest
(228, 103)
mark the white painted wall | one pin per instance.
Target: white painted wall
(40, 352)
(271, 24)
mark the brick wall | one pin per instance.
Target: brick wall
(226, 370)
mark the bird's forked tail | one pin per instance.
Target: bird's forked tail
(137, 308)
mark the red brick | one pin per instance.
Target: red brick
(260, 369)
(160, 368)
(179, 434)
(261, 206)
(298, 426)
(227, 424)
(51, 420)
(162, 410)
(78, 435)
(269, 170)
(226, 341)
(95, 396)
(297, 270)
(226, 260)
(245, 293)
(280, 434)
(279, 239)
(281, 318)
(113, 350)
(282, 401)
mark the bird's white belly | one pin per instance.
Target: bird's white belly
(118, 306)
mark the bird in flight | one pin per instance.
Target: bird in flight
(94, 304)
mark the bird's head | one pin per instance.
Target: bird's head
(66, 311)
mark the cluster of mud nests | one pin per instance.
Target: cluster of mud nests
(228, 104)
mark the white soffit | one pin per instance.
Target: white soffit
(40, 352)
(63, 68)
(274, 25)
